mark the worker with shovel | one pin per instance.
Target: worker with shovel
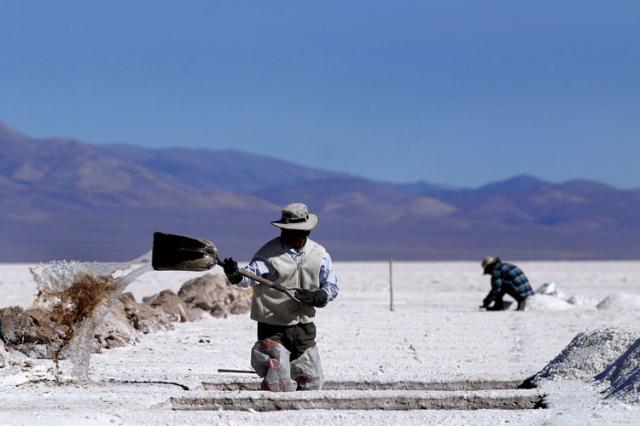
(286, 355)
(505, 279)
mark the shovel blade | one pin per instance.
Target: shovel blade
(173, 252)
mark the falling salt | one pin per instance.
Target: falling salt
(58, 276)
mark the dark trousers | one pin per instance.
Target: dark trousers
(295, 338)
(507, 289)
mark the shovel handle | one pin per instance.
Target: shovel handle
(250, 275)
(257, 278)
(262, 280)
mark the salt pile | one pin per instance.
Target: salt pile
(551, 289)
(624, 375)
(580, 300)
(542, 302)
(9, 356)
(620, 301)
(588, 354)
(548, 297)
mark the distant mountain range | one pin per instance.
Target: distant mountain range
(64, 199)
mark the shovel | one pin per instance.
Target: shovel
(180, 253)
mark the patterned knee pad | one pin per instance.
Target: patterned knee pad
(271, 361)
(307, 370)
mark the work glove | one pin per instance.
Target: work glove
(231, 270)
(317, 298)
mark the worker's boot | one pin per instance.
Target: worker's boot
(498, 305)
(306, 370)
(522, 304)
(271, 361)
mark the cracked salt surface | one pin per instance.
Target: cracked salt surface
(436, 318)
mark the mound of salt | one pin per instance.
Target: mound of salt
(588, 354)
(543, 302)
(623, 375)
(580, 300)
(9, 356)
(619, 301)
(551, 289)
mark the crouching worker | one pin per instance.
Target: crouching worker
(505, 279)
(286, 355)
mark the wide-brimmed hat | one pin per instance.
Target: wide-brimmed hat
(296, 216)
(487, 262)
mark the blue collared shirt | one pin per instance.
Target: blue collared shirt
(262, 267)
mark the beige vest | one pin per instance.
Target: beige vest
(275, 307)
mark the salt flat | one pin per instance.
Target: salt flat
(436, 333)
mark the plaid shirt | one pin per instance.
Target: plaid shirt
(511, 275)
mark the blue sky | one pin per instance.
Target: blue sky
(457, 92)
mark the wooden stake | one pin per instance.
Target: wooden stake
(391, 284)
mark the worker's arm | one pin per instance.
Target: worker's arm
(496, 286)
(257, 266)
(328, 286)
(328, 278)
(260, 267)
